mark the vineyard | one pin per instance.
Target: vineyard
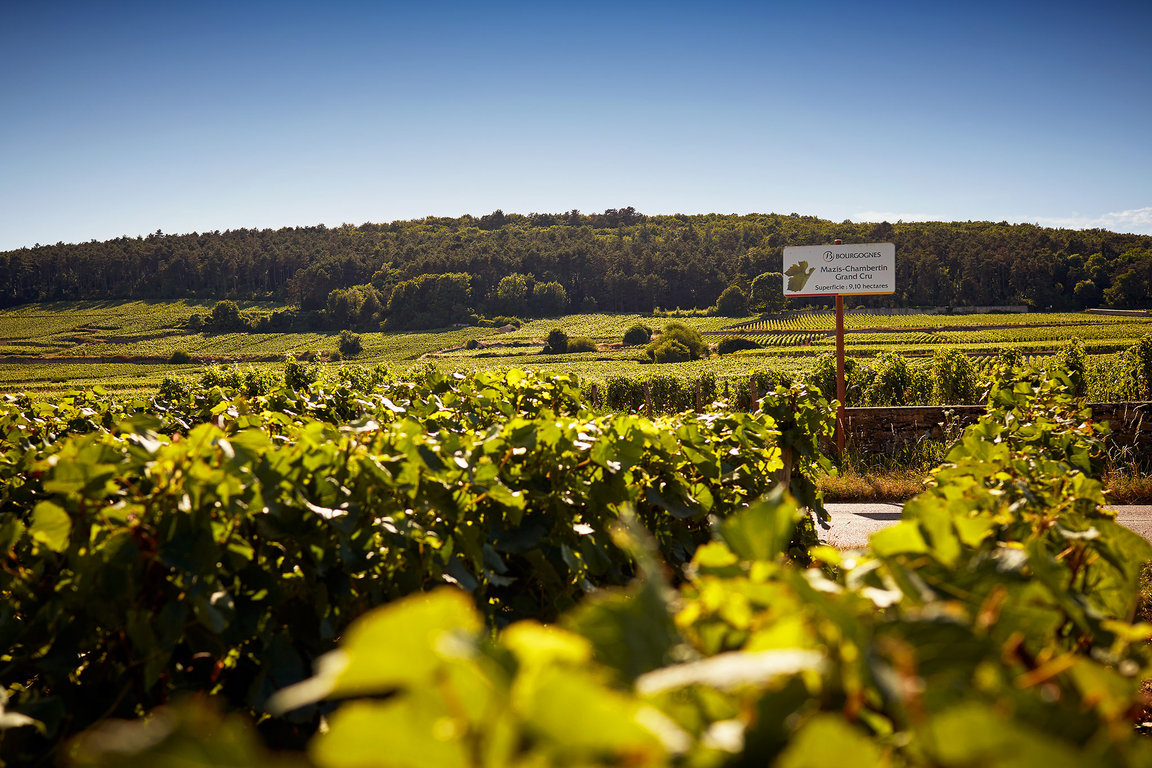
(351, 568)
(131, 346)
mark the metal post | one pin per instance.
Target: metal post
(840, 385)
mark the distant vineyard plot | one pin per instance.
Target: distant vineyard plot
(869, 334)
(129, 345)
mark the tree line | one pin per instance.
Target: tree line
(432, 271)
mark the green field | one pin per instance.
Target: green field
(126, 345)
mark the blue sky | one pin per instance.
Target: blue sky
(127, 118)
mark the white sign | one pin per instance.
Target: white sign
(826, 270)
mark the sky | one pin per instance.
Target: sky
(125, 118)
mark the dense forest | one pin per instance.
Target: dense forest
(436, 270)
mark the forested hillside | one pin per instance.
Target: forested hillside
(619, 260)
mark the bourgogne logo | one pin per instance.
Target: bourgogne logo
(828, 257)
(798, 275)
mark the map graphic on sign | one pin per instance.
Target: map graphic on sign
(863, 269)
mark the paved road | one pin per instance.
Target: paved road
(852, 524)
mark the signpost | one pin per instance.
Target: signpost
(840, 270)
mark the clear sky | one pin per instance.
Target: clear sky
(124, 118)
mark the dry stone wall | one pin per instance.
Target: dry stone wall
(886, 430)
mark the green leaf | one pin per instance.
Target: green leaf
(975, 734)
(78, 476)
(763, 529)
(214, 611)
(395, 646)
(902, 538)
(576, 713)
(50, 526)
(10, 533)
(631, 631)
(190, 734)
(827, 740)
(728, 671)
(406, 731)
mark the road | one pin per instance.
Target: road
(852, 524)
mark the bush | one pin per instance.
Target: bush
(298, 375)
(686, 337)
(735, 344)
(823, 377)
(226, 317)
(557, 343)
(637, 335)
(892, 382)
(1137, 363)
(180, 357)
(955, 377)
(581, 344)
(471, 344)
(671, 351)
(1072, 358)
(350, 344)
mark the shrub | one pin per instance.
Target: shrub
(1137, 363)
(892, 381)
(1075, 362)
(471, 344)
(735, 344)
(637, 335)
(670, 351)
(581, 344)
(196, 322)
(180, 357)
(174, 388)
(686, 337)
(955, 377)
(225, 378)
(350, 344)
(823, 377)
(226, 316)
(298, 375)
(557, 343)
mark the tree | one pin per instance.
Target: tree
(429, 301)
(512, 295)
(549, 299)
(1087, 294)
(343, 307)
(733, 302)
(767, 292)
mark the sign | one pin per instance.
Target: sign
(851, 270)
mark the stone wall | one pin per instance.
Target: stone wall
(886, 430)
